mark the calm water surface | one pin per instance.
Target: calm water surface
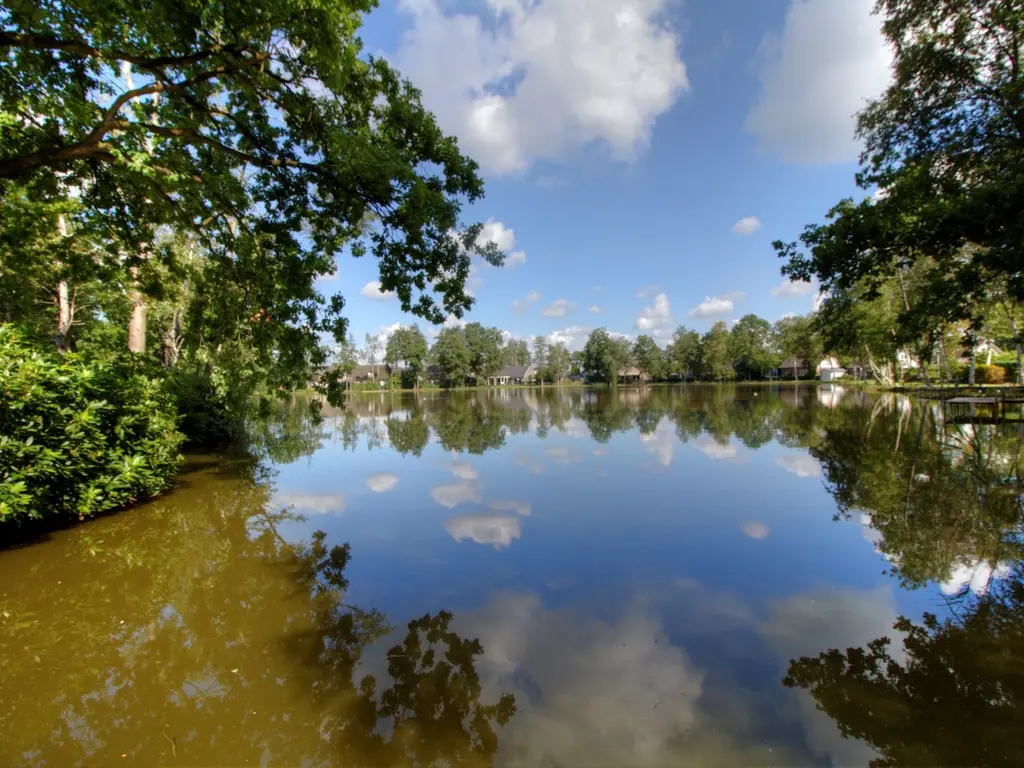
(658, 577)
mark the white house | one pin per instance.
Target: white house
(830, 370)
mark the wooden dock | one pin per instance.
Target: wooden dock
(980, 405)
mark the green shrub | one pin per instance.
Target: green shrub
(203, 416)
(989, 374)
(79, 437)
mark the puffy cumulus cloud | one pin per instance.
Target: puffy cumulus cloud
(594, 309)
(716, 450)
(975, 576)
(712, 306)
(464, 470)
(519, 306)
(558, 308)
(800, 464)
(661, 442)
(522, 508)
(311, 503)
(829, 60)
(496, 530)
(504, 237)
(563, 454)
(792, 289)
(573, 337)
(451, 496)
(382, 482)
(648, 291)
(747, 225)
(588, 691)
(574, 427)
(656, 315)
(544, 79)
(372, 290)
(755, 530)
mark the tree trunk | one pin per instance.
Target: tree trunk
(172, 341)
(137, 325)
(970, 375)
(65, 313)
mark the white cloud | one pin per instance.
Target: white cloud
(522, 508)
(595, 309)
(734, 296)
(792, 289)
(755, 530)
(543, 80)
(573, 337)
(372, 291)
(605, 691)
(714, 449)
(747, 225)
(451, 496)
(558, 308)
(976, 576)
(661, 442)
(819, 299)
(525, 459)
(504, 237)
(800, 464)
(382, 482)
(563, 454)
(496, 530)
(312, 503)
(830, 59)
(712, 306)
(657, 315)
(519, 306)
(648, 291)
(464, 470)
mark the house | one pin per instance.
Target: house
(512, 374)
(631, 374)
(793, 368)
(362, 373)
(830, 370)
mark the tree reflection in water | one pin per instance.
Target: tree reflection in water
(223, 644)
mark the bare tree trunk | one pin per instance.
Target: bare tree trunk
(137, 325)
(970, 375)
(65, 314)
(172, 340)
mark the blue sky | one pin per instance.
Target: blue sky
(640, 155)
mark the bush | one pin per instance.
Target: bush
(79, 437)
(989, 374)
(203, 416)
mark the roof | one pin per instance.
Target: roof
(793, 363)
(831, 362)
(515, 371)
(629, 370)
(362, 371)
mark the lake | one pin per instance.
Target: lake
(688, 575)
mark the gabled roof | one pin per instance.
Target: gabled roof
(515, 371)
(793, 362)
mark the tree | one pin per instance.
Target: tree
(346, 356)
(604, 355)
(451, 353)
(797, 338)
(945, 142)
(484, 350)
(648, 356)
(715, 352)
(559, 362)
(684, 353)
(952, 697)
(752, 348)
(516, 352)
(540, 352)
(372, 350)
(263, 132)
(408, 345)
